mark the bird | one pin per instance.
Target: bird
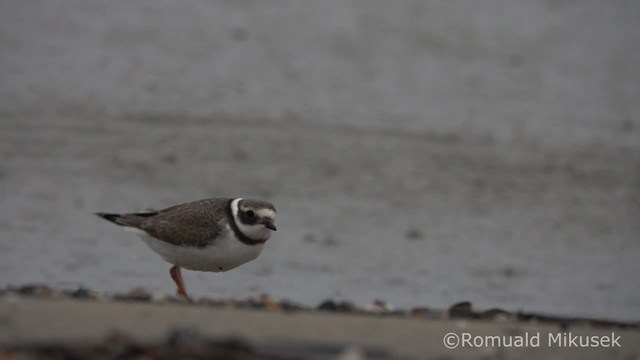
(216, 234)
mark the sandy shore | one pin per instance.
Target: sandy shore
(37, 324)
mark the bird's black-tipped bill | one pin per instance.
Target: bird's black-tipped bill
(270, 225)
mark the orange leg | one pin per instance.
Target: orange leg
(177, 278)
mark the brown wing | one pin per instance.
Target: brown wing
(196, 223)
(177, 234)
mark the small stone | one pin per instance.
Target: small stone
(495, 314)
(502, 318)
(343, 306)
(84, 293)
(177, 299)
(346, 306)
(268, 303)
(461, 309)
(263, 302)
(208, 301)
(238, 303)
(137, 294)
(419, 312)
(378, 306)
(265, 299)
(158, 297)
(328, 305)
(35, 290)
(287, 305)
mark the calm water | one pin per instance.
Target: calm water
(420, 155)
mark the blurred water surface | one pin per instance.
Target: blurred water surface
(417, 152)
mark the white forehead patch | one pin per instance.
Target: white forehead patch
(266, 213)
(262, 213)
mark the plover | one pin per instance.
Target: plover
(216, 234)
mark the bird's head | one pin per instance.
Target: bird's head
(254, 218)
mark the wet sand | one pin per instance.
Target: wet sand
(429, 221)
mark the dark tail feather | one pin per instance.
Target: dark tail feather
(110, 217)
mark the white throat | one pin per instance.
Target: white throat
(253, 232)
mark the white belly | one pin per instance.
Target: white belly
(224, 254)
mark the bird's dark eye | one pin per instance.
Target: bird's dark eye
(250, 213)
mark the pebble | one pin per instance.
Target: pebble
(379, 307)
(420, 312)
(84, 293)
(137, 294)
(342, 306)
(35, 290)
(496, 314)
(461, 309)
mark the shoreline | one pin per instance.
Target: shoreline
(36, 318)
(380, 308)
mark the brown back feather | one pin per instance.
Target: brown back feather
(195, 223)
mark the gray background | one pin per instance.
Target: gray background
(421, 152)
